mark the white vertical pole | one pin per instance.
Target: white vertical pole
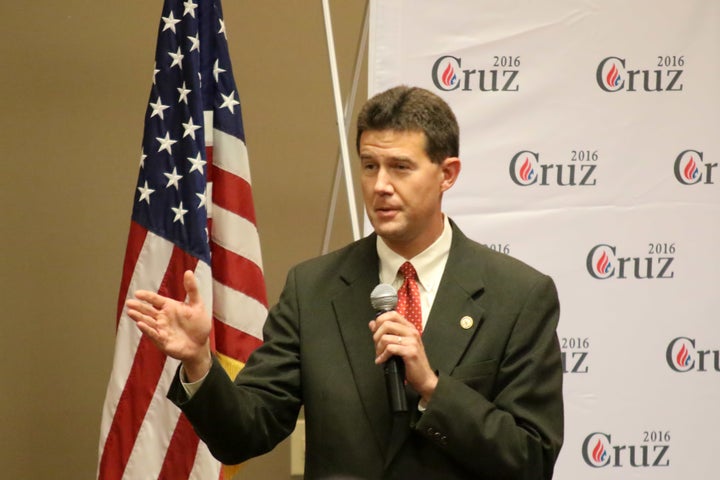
(341, 122)
(349, 103)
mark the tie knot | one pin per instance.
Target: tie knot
(408, 271)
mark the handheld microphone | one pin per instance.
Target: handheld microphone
(383, 299)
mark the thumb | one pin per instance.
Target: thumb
(191, 288)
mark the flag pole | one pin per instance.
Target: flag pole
(342, 128)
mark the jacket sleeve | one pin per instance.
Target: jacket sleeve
(248, 417)
(514, 430)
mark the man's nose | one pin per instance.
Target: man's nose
(383, 183)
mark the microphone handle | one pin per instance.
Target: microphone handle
(394, 369)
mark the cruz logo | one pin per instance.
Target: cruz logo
(604, 262)
(613, 75)
(690, 168)
(527, 169)
(683, 356)
(598, 451)
(448, 75)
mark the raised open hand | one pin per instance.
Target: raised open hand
(179, 329)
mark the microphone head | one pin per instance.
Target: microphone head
(383, 298)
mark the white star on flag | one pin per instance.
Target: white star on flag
(190, 8)
(190, 128)
(177, 58)
(145, 193)
(229, 101)
(170, 22)
(197, 163)
(158, 108)
(173, 179)
(183, 95)
(166, 143)
(179, 213)
(217, 70)
(195, 40)
(203, 198)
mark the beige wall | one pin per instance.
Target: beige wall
(74, 82)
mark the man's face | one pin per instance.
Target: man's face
(402, 188)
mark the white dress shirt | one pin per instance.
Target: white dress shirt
(429, 265)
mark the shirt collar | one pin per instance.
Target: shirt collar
(429, 264)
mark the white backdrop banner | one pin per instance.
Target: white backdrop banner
(590, 140)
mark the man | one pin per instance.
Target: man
(483, 379)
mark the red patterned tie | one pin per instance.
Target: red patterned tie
(409, 296)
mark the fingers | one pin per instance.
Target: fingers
(157, 301)
(393, 317)
(395, 345)
(149, 331)
(393, 335)
(141, 307)
(392, 323)
(191, 287)
(142, 314)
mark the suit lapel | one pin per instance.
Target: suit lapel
(455, 315)
(358, 276)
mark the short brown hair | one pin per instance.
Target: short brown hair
(413, 109)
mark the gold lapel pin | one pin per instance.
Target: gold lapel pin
(466, 322)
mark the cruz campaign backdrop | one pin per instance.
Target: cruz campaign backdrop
(590, 140)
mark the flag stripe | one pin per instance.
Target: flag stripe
(239, 273)
(206, 466)
(234, 342)
(231, 154)
(151, 442)
(177, 465)
(130, 411)
(232, 193)
(236, 234)
(136, 240)
(238, 310)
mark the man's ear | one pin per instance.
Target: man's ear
(450, 168)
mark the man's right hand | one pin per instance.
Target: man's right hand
(180, 330)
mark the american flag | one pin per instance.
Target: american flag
(193, 210)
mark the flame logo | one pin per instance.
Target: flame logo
(448, 76)
(599, 454)
(526, 170)
(613, 76)
(691, 170)
(603, 264)
(683, 357)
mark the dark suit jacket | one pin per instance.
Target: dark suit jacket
(497, 412)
